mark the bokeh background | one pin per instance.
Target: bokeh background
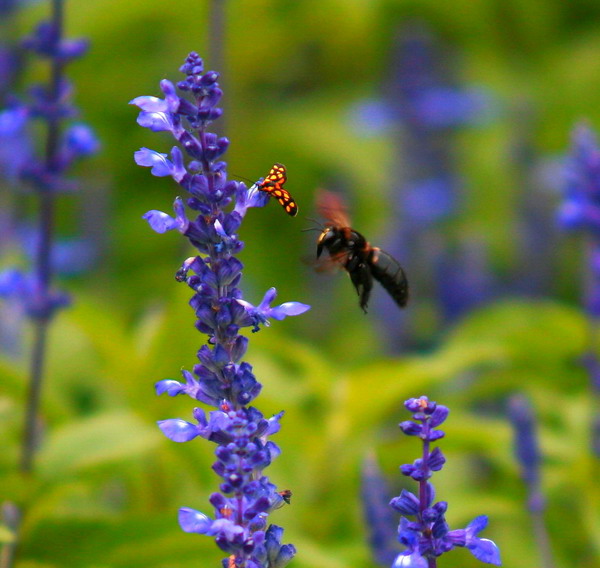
(445, 125)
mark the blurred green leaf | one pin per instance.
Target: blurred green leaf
(94, 442)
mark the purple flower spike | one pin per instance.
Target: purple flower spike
(210, 218)
(428, 535)
(580, 211)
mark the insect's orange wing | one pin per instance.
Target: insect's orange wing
(277, 174)
(273, 185)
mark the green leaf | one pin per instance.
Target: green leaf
(94, 442)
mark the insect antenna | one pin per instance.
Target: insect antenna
(319, 227)
(244, 179)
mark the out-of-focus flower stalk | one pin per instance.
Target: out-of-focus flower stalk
(580, 210)
(528, 455)
(427, 107)
(42, 165)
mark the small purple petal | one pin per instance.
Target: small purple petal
(160, 222)
(406, 560)
(178, 167)
(150, 104)
(288, 309)
(269, 296)
(486, 551)
(193, 521)
(155, 121)
(160, 164)
(170, 386)
(178, 430)
(477, 525)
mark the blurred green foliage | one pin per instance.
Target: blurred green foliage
(107, 485)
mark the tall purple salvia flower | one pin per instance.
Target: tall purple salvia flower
(528, 455)
(221, 379)
(428, 536)
(580, 211)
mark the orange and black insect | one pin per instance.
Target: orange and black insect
(273, 185)
(353, 252)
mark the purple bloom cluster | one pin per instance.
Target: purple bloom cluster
(428, 106)
(221, 379)
(580, 210)
(527, 453)
(581, 205)
(527, 450)
(380, 519)
(428, 535)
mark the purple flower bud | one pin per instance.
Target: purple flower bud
(81, 140)
(407, 503)
(411, 428)
(438, 416)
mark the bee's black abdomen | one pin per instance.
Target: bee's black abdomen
(388, 272)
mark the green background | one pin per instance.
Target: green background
(107, 484)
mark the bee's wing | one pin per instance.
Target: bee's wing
(331, 206)
(327, 263)
(388, 272)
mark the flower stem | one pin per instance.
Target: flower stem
(431, 560)
(542, 539)
(30, 435)
(11, 517)
(43, 258)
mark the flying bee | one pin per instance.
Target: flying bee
(363, 262)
